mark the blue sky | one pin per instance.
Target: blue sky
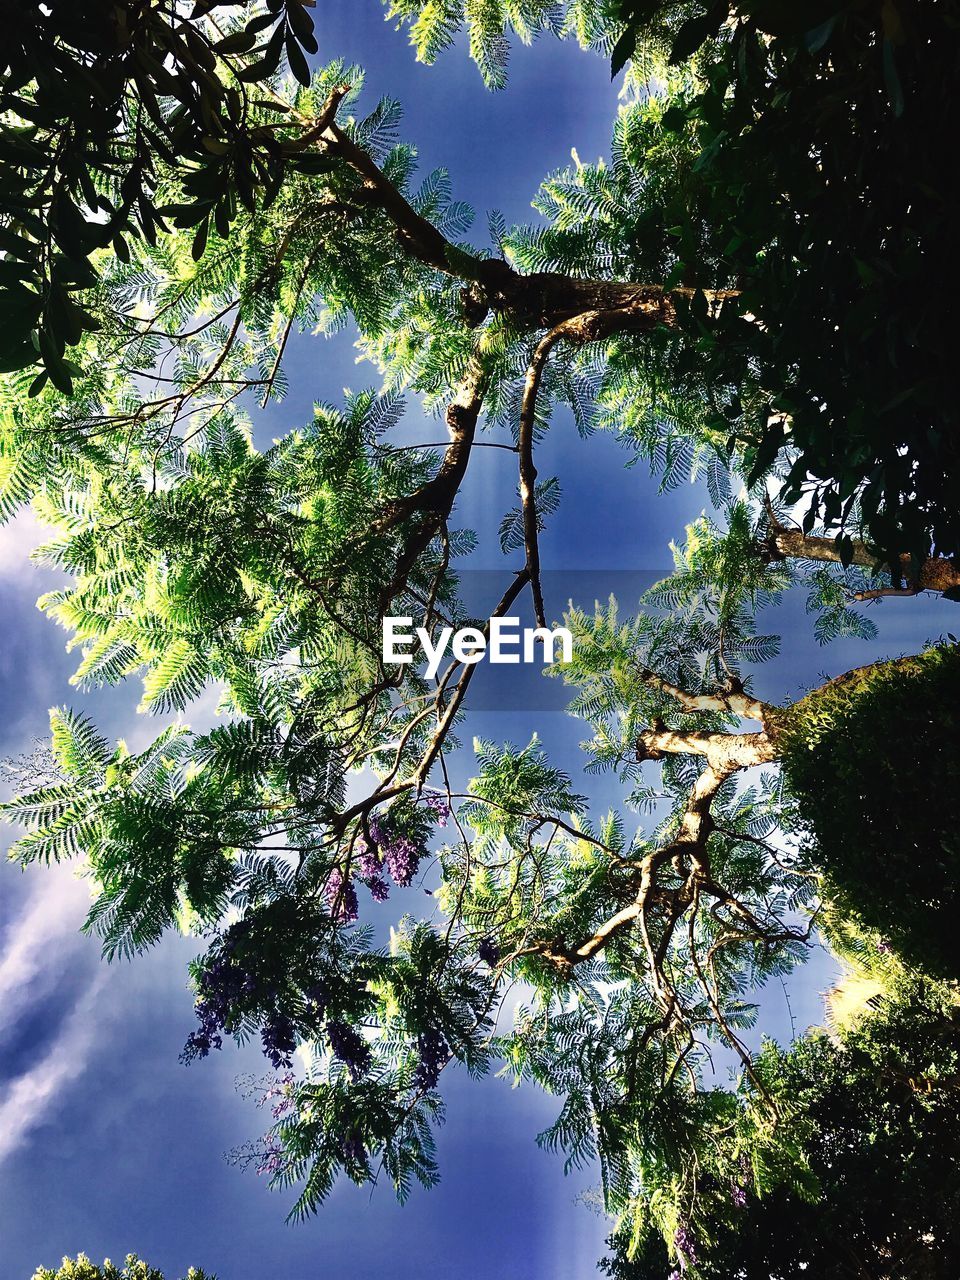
(107, 1143)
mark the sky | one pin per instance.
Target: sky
(107, 1143)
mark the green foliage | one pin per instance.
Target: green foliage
(819, 168)
(339, 1119)
(81, 1268)
(218, 316)
(881, 1137)
(635, 218)
(871, 760)
(696, 628)
(217, 571)
(214, 571)
(434, 24)
(224, 566)
(98, 103)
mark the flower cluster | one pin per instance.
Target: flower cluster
(280, 1094)
(438, 803)
(401, 856)
(369, 864)
(279, 1040)
(685, 1244)
(222, 986)
(386, 849)
(350, 1048)
(379, 889)
(226, 989)
(353, 1149)
(206, 1037)
(489, 952)
(270, 1156)
(368, 860)
(341, 898)
(433, 1053)
(402, 859)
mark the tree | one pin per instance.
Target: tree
(863, 296)
(682, 920)
(95, 99)
(860, 739)
(196, 559)
(764, 369)
(81, 1268)
(803, 167)
(881, 1141)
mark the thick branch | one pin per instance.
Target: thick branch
(435, 498)
(433, 501)
(725, 754)
(419, 236)
(690, 840)
(723, 751)
(732, 698)
(686, 852)
(539, 300)
(578, 310)
(936, 573)
(642, 308)
(528, 472)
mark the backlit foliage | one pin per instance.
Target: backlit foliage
(363, 915)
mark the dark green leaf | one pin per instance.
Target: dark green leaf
(697, 31)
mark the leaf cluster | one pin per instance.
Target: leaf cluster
(99, 104)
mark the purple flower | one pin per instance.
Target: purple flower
(221, 986)
(282, 1090)
(433, 1053)
(279, 1041)
(369, 865)
(685, 1244)
(738, 1195)
(438, 803)
(341, 898)
(316, 997)
(398, 853)
(350, 1048)
(270, 1156)
(884, 945)
(489, 952)
(354, 1151)
(402, 859)
(368, 859)
(379, 888)
(199, 1043)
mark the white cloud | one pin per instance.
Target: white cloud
(18, 537)
(49, 920)
(46, 926)
(29, 1098)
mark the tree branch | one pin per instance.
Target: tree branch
(528, 472)
(435, 498)
(539, 300)
(723, 751)
(732, 698)
(935, 573)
